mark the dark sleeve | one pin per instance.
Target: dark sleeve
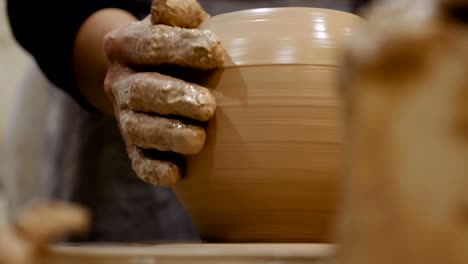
(358, 4)
(46, 29)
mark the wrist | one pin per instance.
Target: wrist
(89, 59)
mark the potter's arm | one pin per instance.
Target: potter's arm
(52, 33)
(89, 60)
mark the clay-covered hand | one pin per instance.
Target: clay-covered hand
(160, 115)
(38, 225)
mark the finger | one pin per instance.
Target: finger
(147, 20)
(62, 219)
(153, 132)
(154, 171)
(178, 13)
(141, 44)
(164, 95)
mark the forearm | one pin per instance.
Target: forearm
(89, 59)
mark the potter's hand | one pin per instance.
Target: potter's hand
(36, 226)
(148, 104)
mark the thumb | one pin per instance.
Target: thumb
(178, 13)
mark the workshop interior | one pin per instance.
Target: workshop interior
(233, 131)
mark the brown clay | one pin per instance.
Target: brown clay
(272, 158)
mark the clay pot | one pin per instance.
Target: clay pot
(269, 167)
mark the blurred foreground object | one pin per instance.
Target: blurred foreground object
(36, 226)
(405, 83)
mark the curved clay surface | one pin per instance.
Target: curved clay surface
(268, 170)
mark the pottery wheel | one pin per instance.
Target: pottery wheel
(187, 254)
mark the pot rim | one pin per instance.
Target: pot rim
(282, 35)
